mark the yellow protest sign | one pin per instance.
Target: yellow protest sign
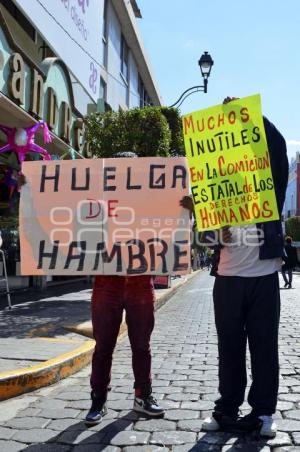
(230, 171)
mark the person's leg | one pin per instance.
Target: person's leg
(107, 308)
(290, 275)
(284, 278)
(139, 305)
(229, 296)
(262, 330)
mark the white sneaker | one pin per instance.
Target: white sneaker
(148, 405)
(210, 425)
(268, 428)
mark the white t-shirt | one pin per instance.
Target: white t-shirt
(240, 257)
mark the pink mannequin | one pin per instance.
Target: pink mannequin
(21, 141)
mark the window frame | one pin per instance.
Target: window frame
(105, 35)
(124, 60)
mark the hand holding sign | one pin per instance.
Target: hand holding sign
(225, 234)
(187, 203)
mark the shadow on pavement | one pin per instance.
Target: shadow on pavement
(45, 314)
(24, 295)
(95, 438)
(215, 441)
(90, 439)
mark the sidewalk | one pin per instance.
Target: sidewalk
(185, 381)
(45, 338)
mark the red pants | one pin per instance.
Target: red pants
(112, 294)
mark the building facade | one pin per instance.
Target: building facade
(126, 78)
(292, 198)
(37, 85)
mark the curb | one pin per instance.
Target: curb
(170, 292)
(85, 328)
(16, 382)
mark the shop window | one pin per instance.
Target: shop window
(11, 245)
(9, 223)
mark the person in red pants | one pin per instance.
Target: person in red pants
(111, 295)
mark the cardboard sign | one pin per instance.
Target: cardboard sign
(230, 171)
(105, 216)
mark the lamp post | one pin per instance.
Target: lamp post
(205, 63)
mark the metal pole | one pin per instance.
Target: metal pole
(198, 88)
(6, 279)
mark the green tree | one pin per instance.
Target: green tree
(173, 117)
(292, 228)
(149, 132)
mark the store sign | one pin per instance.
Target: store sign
(105, 216)
(44, 92)
(72, 28)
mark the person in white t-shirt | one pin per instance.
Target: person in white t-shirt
(247, 308)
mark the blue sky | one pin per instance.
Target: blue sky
(255, 46)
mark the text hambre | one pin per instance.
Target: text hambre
(141, 256)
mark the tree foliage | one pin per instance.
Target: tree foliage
(292, 228)
(149, 132)
(172, 115)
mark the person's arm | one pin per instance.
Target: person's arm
(285, 257)
(278, 157)
(279, 161)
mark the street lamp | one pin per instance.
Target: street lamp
(205, 63)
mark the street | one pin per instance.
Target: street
(184, 346)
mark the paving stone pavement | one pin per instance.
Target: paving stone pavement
(184, 349)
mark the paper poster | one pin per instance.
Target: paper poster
(230, 172)
(105, 216)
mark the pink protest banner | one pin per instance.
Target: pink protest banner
(105, 216)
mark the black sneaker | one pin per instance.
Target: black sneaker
(148, 405)
(219, 421)
(249, 423)
(97, 411)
